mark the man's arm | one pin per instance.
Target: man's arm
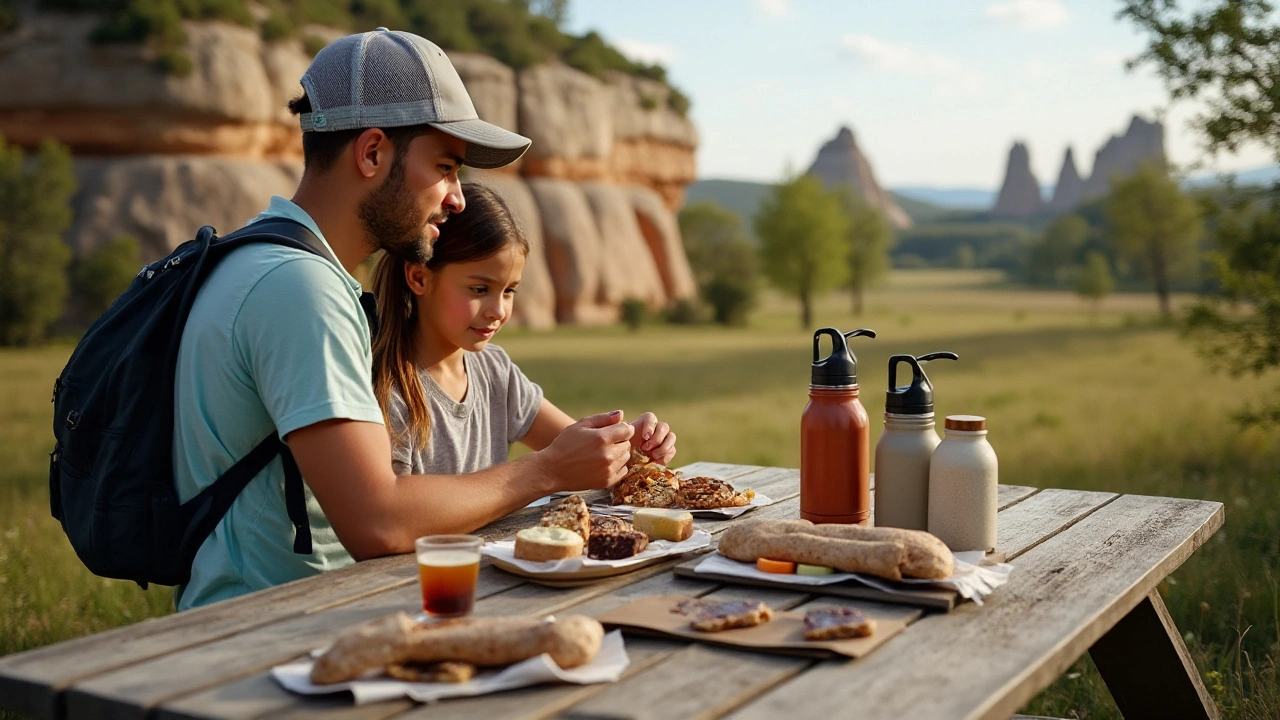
(347, 465)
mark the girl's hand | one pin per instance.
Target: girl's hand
(654, 438)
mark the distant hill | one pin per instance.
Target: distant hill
(743, 197)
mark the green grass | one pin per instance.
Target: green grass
(1113, 401)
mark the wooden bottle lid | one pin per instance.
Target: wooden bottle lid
(966, 423)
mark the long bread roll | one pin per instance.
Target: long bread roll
(570, 641)
(887, 552)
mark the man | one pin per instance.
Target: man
(277, 340)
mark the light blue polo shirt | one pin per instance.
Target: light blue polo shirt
(276, 341)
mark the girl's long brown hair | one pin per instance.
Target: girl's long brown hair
(480, 231)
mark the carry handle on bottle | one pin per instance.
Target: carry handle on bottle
(917, 373)
(837, 340)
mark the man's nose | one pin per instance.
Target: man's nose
(453, 200)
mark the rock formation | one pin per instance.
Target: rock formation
(841, 163)
(159, 155)
(1121, 155)
(1069, 192)
(1020, 193)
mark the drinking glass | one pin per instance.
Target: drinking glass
(448, 566)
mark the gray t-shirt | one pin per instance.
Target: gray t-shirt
(475, 434)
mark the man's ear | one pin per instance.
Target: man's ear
(417, 277)
(373, 152)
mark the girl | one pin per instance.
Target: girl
(453, 402)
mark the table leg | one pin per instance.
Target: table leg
(1147, 667)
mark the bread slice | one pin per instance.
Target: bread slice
(662, 524)
(706, 493)
(616, 544)
(716, 616)
(571, 514)
(600, 523)
(540, 544)
(837, 624)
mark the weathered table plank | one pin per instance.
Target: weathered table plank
(1027, 633)
(1041, 516)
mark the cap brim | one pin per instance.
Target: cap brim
(488, 146)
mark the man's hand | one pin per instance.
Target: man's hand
(591, 453)
(654, 438)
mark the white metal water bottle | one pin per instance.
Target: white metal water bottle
(963, 486)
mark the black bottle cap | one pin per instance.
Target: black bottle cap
(840, 368)
(915, 398)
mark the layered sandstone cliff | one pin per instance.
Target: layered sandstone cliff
(1120, 156)
(841, 164)
(159, 155)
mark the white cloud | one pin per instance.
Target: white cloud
(645, 52)
(776, 8)
(903, 60)
(1028, 14)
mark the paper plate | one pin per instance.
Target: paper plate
(579, 577)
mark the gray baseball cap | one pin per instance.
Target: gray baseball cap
(391, 78)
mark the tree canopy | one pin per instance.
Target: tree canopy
(802, 230)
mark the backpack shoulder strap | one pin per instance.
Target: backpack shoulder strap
(291, 233)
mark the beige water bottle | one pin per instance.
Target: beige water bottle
(906, 446)
(963, 486)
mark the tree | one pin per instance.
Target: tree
(1152, 222)
(1058, 249)
(1228, 53)
(722, 258)
(99, 277)
(802, 240)
(1094, 281)
(869, 239)
(35, 208)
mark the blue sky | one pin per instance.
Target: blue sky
(935, 91)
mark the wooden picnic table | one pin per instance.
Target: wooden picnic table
(1087, 566)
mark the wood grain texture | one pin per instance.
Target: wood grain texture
(1063, 595)
(1039, 517)
(1147, 668)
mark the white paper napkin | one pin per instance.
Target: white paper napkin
(971, 580)
(718, 513)
(505, 550)
(607, 666)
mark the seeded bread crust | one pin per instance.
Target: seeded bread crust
(571, 514)
(705, 493)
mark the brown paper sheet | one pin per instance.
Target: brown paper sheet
(784, 634)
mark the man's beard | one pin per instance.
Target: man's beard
(393, 222)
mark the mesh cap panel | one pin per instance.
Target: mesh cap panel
(393, 73)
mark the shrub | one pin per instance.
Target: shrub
(276, 27)
(688, 312)
(722, 259)
(313, 44)
(35, 208)
(99, 277)
(634, 313)
(174, 62)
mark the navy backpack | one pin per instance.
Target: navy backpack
(111, 481)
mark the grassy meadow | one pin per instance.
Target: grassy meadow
(1103, 400)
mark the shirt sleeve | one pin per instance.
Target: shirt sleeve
(524, 397)
(305, 341)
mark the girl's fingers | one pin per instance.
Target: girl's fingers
(645, 425)
(660, 433)
(666, 451)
